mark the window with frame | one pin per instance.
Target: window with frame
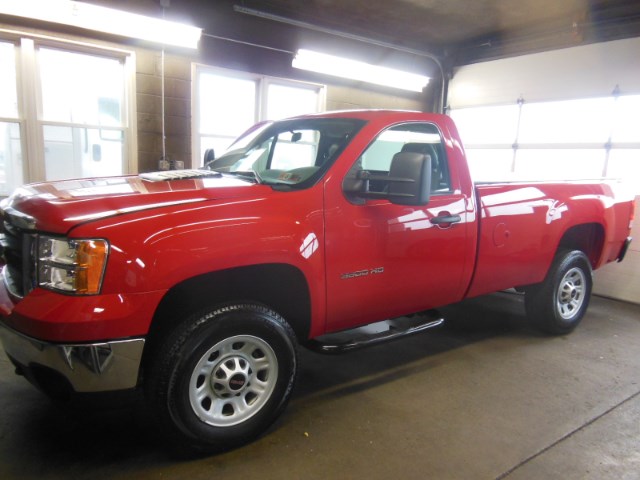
(65, 115)
(421, 138)
(11, 175)
(563, 140)
(82, 114)
(228, 103)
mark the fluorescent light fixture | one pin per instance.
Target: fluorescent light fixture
(355, 70)
(102, 19)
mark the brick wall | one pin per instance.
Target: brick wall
(345, 98)
(177, 95)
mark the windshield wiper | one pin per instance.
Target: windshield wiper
(248, 175)
(257, 176)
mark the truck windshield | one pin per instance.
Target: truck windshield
(292, 152)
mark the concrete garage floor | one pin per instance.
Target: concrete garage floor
(484, 397)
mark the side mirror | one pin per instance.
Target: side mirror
(209, 156)
(410, 178)
(408, 181)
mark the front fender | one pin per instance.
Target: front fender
(157, 250)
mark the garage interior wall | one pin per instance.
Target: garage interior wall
(147, 128)
(589, 71)
(179, 102)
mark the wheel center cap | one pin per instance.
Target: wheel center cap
(237, 381)
(570, 293)
(231, 376)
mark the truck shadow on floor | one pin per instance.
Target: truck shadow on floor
(471, 321)
(71, 440)
(41, 436)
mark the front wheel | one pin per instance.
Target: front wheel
(222, 377)
(557, 305)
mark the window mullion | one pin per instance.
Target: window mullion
(130, 116)
(261, 101)
(515, 145)
(82, 125)
(30, 108)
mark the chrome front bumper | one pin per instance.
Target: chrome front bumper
(92, 367)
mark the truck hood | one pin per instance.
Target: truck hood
(56, 207)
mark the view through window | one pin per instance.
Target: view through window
(63, 112)
(10, 144)
(563, 140)
(229, 103)
(82, 110)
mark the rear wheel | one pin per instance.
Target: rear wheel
(557, 305)
(222, 377)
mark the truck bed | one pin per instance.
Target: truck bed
(524, 224)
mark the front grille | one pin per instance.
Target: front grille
(18, 251)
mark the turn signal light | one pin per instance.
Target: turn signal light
(72, 266)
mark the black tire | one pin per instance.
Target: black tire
(220, 378)
(557, 305)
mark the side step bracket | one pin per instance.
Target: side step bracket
(375, 333)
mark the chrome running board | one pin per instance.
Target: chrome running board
(375, 333)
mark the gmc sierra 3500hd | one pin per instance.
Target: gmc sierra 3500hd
(197, 286)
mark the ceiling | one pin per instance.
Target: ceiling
(465, 29)
(430, 22)
(407, 34)
(456, 31)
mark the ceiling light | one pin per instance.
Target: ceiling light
(355, 70)
(102, 19)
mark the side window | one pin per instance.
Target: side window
(422, 138)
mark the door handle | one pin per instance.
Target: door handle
(446, 219)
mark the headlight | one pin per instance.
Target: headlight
(71, 266)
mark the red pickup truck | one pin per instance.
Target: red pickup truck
(197, 286)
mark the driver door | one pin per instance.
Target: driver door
(385, 260)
